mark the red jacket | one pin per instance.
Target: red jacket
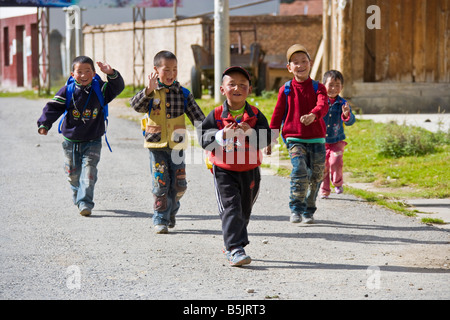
(302, 100)
(245, 154)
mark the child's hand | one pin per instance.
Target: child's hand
(105, 68)
(244, 126)
(228, 131)
(346, 110)
(307, 119)
(152, 83)
(43, 131)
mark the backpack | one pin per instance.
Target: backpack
(98, 91)
(287, 90)
(150, 104)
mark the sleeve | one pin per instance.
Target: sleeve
(264, 134)
(113, 87)
(194, 112)
(140, 101)
(53, 109)
(321, 108)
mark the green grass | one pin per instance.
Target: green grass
(408, 176)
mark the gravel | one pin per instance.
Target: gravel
(48, 251)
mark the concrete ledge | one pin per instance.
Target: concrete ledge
(400, 97)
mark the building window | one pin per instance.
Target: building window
(6, 45)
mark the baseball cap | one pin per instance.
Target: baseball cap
(237, 69)
(296, 48)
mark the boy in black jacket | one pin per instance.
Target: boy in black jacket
(83, 126)
(234, 133)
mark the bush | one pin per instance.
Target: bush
(401, 140)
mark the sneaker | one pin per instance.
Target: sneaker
(172, 222)
(307, 220)
(295, 218)
(85, 212)
(237, 257)
(323, 196)
(160, 228)
(339, 190)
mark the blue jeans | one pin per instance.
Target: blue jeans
(308, 162)
(167, 168)
(80, 165)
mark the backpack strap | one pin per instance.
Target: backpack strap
(70, 87)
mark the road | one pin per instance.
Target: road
(48, 251)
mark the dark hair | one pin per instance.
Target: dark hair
(82, 59)
(163, 55)
(333, 74)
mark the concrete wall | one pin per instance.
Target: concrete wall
(114, 44)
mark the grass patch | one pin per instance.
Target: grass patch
(423, 175)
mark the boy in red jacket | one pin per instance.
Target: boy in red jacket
(234, 133)
(300, 115)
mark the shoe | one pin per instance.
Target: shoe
(85, 212)
(295, 218)
(172, 222)
(339, 190)
(307, 220)
(161, 229)
(237, 257)
(323, 196)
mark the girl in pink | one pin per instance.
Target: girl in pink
(339, 112)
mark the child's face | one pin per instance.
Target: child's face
(83, 73)
(167, 71)
(236, 87)
(300, 66)
(334, 87)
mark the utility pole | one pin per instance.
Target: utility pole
(221, 44)
(73, 22)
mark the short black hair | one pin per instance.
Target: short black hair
(163, 55)
(333, 74)
(82, 59)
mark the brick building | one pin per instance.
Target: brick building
(19, 64)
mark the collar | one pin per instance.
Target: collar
(247, 110)
(174, 85)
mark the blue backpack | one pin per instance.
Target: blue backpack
(150, 105)
(98, 91)
(287, 90)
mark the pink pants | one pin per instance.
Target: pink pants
(334, 163)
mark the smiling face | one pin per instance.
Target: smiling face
(334, 87)
(300, 66)
(236, 87)
(167, 71)
(83, 73)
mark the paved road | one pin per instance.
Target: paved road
(48, 251)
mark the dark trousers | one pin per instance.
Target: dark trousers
(236, 192)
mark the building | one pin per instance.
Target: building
(19, 51)
(395, 55)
